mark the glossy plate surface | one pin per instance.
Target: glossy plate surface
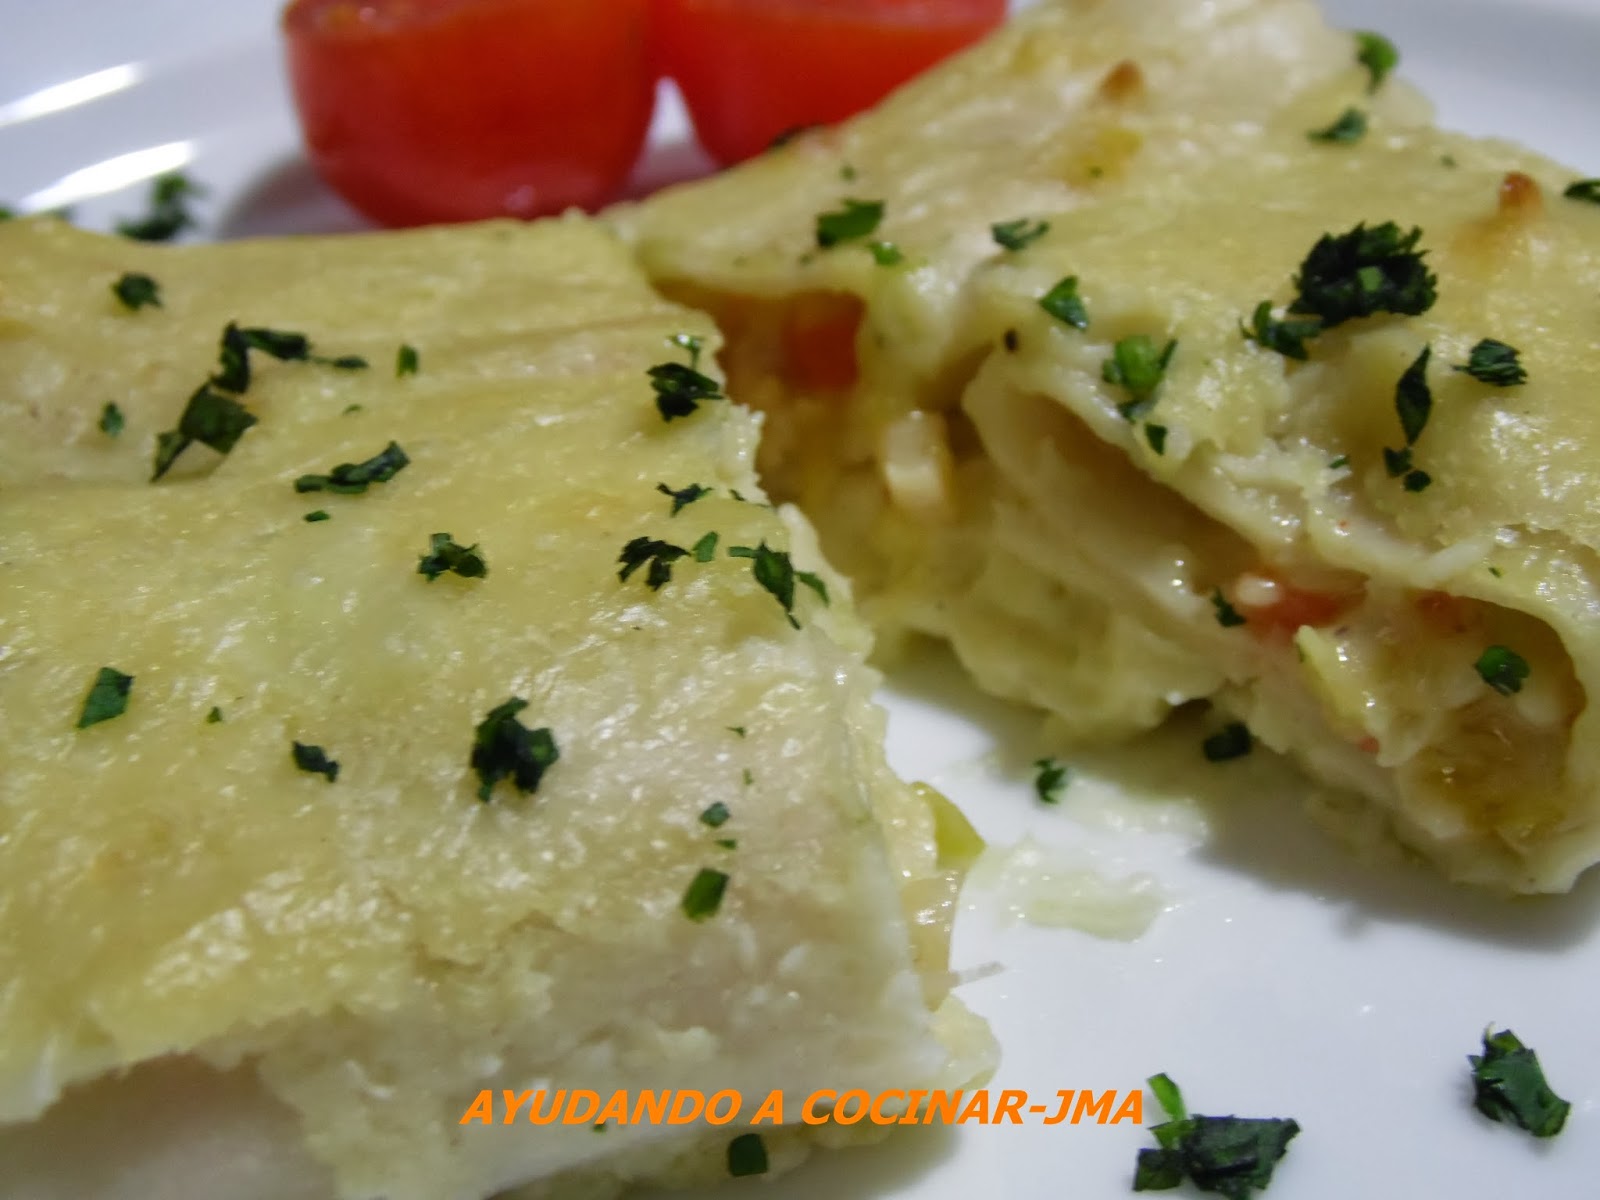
(1283, 977)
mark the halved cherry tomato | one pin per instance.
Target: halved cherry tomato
(422, 111)
(751, 70)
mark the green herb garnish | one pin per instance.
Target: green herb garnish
(1227, 615)
(706, 548)
(1340, 463)
(504, 748)
(774, 571)
(134, 291)
(1287, 337)
(316, 517)
(1050, 780)
(1351, 126)
(445, 555)
(233, 355)
(857, 219)
(352, 479)
(168, 214)
(1231, 1156)
(211, 418)
(214, 717)
(703, 897)
(747, 1155)
(1019, 234)
(406, 361)
(683, 497)
(108, 697)
(111, 421)
(314, 761)
(1156, 435)
(1508, 1085)
(886, 254)
(716, 816)
(1494, 363)
(1584, 189)
(1363, 272)
(679, 389)
(1231, 741)
(660, 555)
(1378, 55)
(1503, 669)
(1064, 304)
(738, 731)
(1413, 399)
(1138, 367)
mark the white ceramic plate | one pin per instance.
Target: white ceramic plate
(1283, 978)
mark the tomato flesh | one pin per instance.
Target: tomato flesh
(424, 111)
(751, 70)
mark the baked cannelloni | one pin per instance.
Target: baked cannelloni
(1154, 353)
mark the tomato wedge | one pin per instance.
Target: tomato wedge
(751, 70)
(423, 111)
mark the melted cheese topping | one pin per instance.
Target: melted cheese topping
(976, 478)
(373, 952)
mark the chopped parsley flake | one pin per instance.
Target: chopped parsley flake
(314, 761)
(1287, 337)
(774, 571)
(703, 897)
(1363, 272)
(886, 254)
(1156, 435)
(1494, 363)
(1378, 55)
(214, 717)
(283, 345)
(1227, 615)
(1413, 400)
(211, 418)
(504, 748)
(111, 420)
(406, 361)
(1584, 189)
(1397, 462)
(445, 555)
(1229, 1155)
(1064, 304)
(1417, 481)
(1231, 741)
(683, 497)
(134, 291)
(716, 816)
(706, 548)
(1019, 234)
(1340, 463)
(660, 555)
(1503, 669)
(108, 697)
(1508, 1085)
(747, 1155)
(1050, 780)
(679, 389)
(738, 730)
(352, 479)
(857, 219)
(728, 843)
(168, 214)
(1138, 368)
(1351, 126)
(316, 517)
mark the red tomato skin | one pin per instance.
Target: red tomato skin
(750, 70)
(433, 111)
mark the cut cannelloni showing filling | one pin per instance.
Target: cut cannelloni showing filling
(344, 779)
(1183, 360)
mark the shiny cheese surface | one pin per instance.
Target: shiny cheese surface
(373, 951)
